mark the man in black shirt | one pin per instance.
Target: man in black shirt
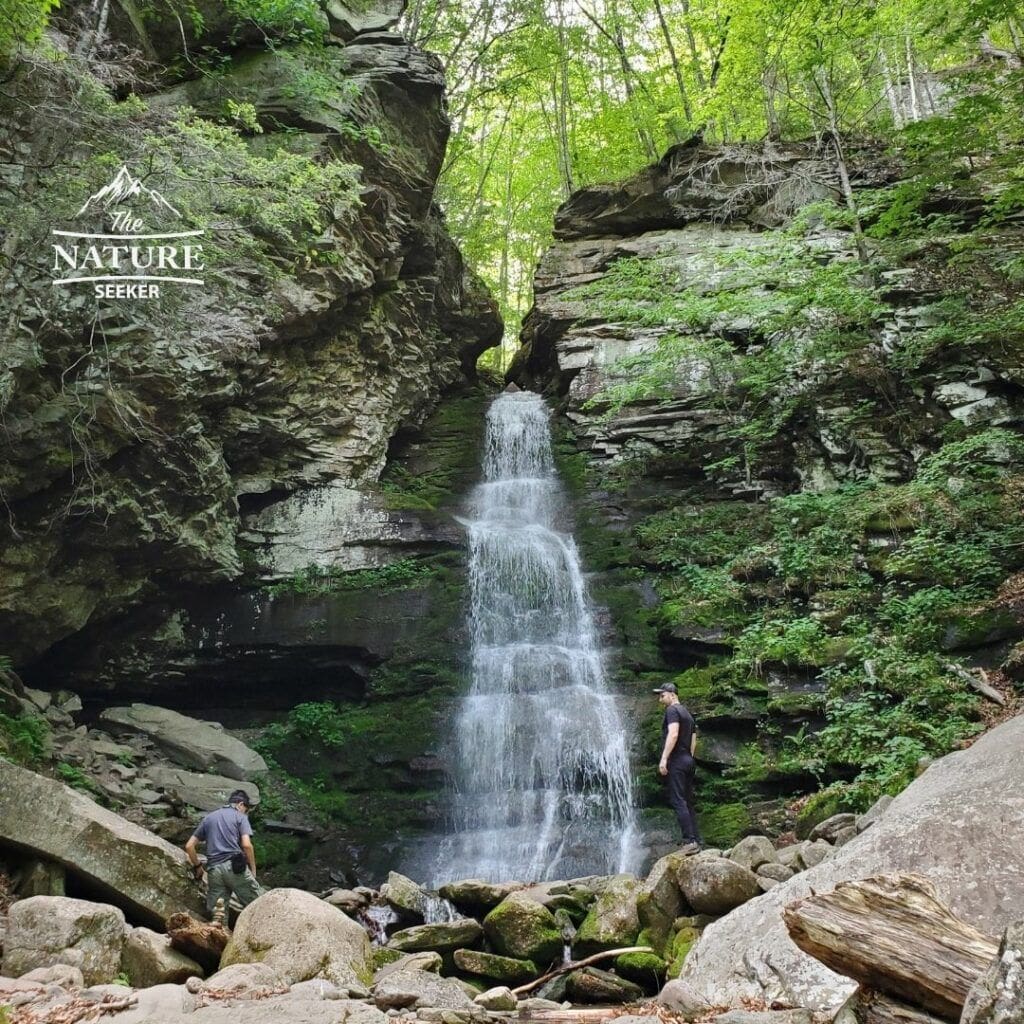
(679, 738)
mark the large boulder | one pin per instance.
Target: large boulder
(139, 871)
(187, 741)
(960, 824)
(716, 885)
(474, 894)
(301, 937)
(148, 959)
(415, 989)
(612, 921)
(521, 928)
(46, 930)
(997, 997)
(592, 985)
(443, 937)
(198, 789)
(753, 851)
(404, 895)
(659, 901)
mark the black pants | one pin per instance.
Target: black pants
(680, 795)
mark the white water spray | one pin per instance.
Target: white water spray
(542, 782)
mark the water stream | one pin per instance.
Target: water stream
(542, 781)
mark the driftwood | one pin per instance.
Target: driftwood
(894, 936)
(577, 1015)
(586, 962)
(977, 682)
(201, 940)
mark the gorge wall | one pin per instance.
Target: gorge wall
(798, 465)
(196, 506)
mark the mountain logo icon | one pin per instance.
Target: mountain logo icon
(121, 187)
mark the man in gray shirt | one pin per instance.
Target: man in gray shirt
(230, 858)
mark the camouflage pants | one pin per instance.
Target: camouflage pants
(222, 883)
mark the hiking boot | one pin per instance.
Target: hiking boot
(690, 849)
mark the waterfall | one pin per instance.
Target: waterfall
(542, 785)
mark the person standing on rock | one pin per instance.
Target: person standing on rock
(230, 858)
(679, 743)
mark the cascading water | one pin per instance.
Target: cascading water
(542, 782)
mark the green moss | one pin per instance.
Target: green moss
(679, 948)
(723, 825)
(823, 805)
(645, 969)
(382, 956)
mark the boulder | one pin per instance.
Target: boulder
(148, 959)
(716, 885)
(347, 20)
(348, 900)
(404, 895)
(592, 985)
(659, 901)
(612, 921)
(500, 998)
(813, 853)
(47, 930)
(245, 981)
(427, 961)
(792, 856)
(997, 997)
(873, 813)
(206, 792)
(831, 827)
(753, 851)
(505, 969)
(682, 998)
(778, 872)
(142, 873)
(301, 937)
(961, 825)
(443, 937)
(520, 928)
(60, 974)
(795, 1016)
(415, 989)
(474, 894)
(645, 969)
(186, 741)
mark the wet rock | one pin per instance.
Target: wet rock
(404, 895)
(500, 998)
(716, 885)
(472, 893)
(997, 997)
(524, 930)
(592, 985)
(753, 851)
(149, 959)
(47, 930)
(443, 937)
(300, 937)
(149, 876)
(612, 920)
(831, 827)
(186, 741)
(505, 969)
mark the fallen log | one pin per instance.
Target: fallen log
(201, 940)
(874, 1008)
(893, 935)
(576, 1015)
(585, 962)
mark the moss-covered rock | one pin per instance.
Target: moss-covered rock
(524, 930)
(682, 942)
(612, 921)
(659, 902)
(592, 985)
(442, 937)
(644, 969)
(504, 970)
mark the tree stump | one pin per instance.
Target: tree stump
(894, 936)
(201, 940)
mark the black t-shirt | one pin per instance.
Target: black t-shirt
(678, 713)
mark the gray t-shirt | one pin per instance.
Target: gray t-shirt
(222, 831)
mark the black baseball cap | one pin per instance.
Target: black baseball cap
(665, 688)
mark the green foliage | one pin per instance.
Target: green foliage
(24, 739)
(77, 779)
(315, 579)
(23, 23)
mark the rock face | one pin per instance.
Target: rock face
(965, 813)
(189, 742)
(142, 872)
(997, 997)
(301, 937)
(612, 921)
(524, 930)
(47, 930)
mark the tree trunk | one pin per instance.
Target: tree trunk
(892, 934)
(676, 69)
(874, 1008)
